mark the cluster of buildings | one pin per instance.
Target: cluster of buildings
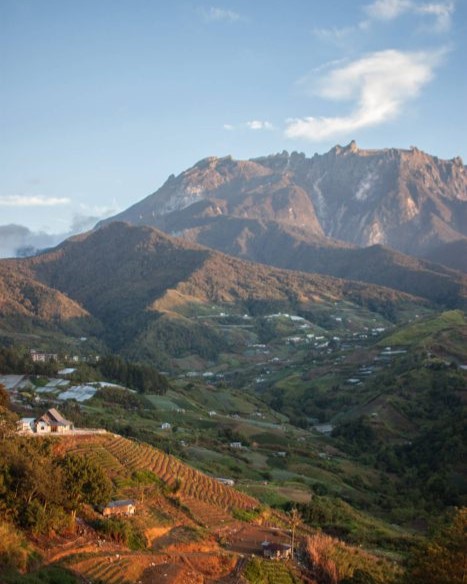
(43, 357)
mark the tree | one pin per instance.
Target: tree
(8, 423)
(295, 520)
(443, 560)
(27, 495)
(4, 397)
(83, 482)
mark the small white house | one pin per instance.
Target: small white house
(39, 357)
(276, 551)
(122, 507)
(166, 426)
(224, 481)
(236, 445)
(52, 421)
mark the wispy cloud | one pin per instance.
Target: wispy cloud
(442, 13)
(387, 9)
(32, 201)
(259, 125)
(379, 83)
(101, 211)
(339, 35)
(392, 9)
(250, 125)
(213, 14)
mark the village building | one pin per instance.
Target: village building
(66, 371)
(166, 426)
(122, 507)
(224, 481)
(276, 551)
(52, 421)
(12, 382)
(39, 357)
(235, 445)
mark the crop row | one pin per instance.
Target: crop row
(189, 482)
(276, 572)
(103, 570)
(101, 456)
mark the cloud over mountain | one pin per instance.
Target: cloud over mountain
(380, 84)
(32, 201)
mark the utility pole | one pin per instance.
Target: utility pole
(295, 519)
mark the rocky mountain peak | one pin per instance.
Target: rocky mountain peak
(401, 198)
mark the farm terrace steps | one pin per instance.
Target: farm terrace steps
(205, 514)
(190, 482)
(120, 456)
(176, 567)
(108, 569)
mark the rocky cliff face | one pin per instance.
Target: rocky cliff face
(404, 199)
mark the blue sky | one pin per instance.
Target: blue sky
(102, 99)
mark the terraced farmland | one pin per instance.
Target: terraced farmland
(189, 482)
(120, 457)
(104, 569)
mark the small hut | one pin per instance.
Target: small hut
(276, 551)
(122, 507)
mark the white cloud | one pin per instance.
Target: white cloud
(259, 125)
(101, 210)
(17, 239)
(339, 35)
(228, 127)
(213, 14)
(380, 84)
(388, 9)
(442, 12)
(392, 9)
(32, 201)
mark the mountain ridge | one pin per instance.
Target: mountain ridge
(349, 213)
(125, 278)
(363, 197)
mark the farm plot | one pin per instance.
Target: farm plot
(185, 481)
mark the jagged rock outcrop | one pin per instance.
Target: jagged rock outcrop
(404, 199)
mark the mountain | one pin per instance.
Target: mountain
(277, 245)
(22, 296)
(403, 199)
(145, 291)
(452, 254)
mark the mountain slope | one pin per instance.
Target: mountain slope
(284, 247)
(135, 282)
(404, 199)
(452, 254)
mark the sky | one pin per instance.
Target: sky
(101, 100)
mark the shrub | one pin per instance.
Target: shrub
(13, 550)
(121, 531)
(245, 514)
(334, 562)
